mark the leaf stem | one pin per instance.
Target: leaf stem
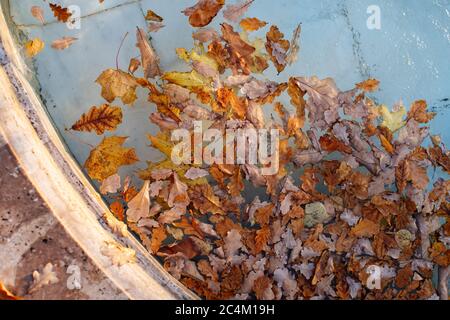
(118, 51)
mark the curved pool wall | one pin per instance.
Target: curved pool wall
(408, 54)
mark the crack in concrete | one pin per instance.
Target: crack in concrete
(363, 68)
(82, 17)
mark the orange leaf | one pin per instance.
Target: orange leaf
(252, 24)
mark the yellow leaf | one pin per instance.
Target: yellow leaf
(162, 143)
(118, 84)
(186, 79)
(33, 47)
(252, 24)
(99, 119)
(108, 156)
(152, 16)
(392, 120)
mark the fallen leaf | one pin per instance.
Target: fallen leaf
(61, 13)
(110, 184)
(418, 112)
(118, 84)
(233, 12)
(63, 43)
(252, 24)
(149, 59)
(203, 12)
(152, 16)
(368, 85)
(139, 206)
(38, 13)
(365, 228)
(108, 156)
(392, 120)
(33, 47)
(99, 119)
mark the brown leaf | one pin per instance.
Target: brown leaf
(61, 13)
(63, 43)
(368, 85)
(38, 13)
(108, 156)
(418, 112)
(5, 294)
(149, 59)
(277, 47)
(252, 24)
(158, 236)
(99, 119)
(118, 84)
(152, 16)
(203, 12)
(233, 12)
(365, 228)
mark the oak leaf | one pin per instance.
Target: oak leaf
(61, 13)
(233, 12)
(99, 119)
(152, 16)
(139, 206)
(118, 254)
(368, 85)
(38, 13)
(418, 112)
(365, 228)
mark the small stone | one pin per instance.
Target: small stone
(315, 213)
(403, 238)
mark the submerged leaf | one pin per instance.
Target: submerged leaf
(108, 156)
(99, 119)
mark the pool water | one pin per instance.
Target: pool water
(409, 54)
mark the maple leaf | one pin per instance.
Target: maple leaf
(61, 13)
(418, 112)
(63, 43)
(118, 84)
(392, 120)
(252, 24)
(108, 156)
(368, 85)
(202, 13)
(33, 47)
(99, 119)
(149, 59)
